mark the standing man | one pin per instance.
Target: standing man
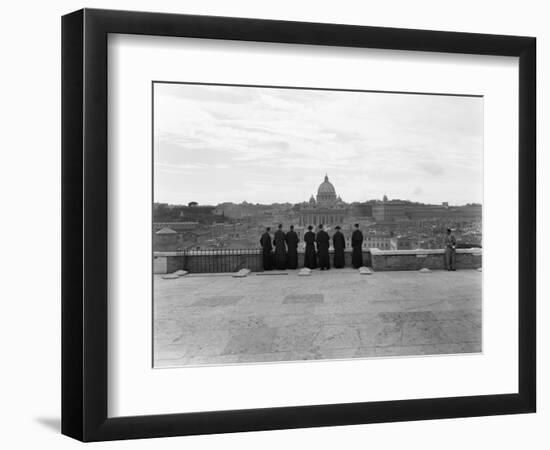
(357, 245)
(310, 258)
(265, 242)
(292, 240)
(280, 248)
(450, 250)
(323, 243)
(339, 244)
(393, 241)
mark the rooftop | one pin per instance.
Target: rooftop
(336, 314)
(166, 230)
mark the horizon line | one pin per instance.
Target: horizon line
(305, 201)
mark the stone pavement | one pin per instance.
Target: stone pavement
(337, 314)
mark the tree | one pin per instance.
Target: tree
(191, 204)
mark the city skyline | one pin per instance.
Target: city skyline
(217, 144)
(183, 203)
(281, 202)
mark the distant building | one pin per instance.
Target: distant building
(457, 213)
(327, 209)
(377, 241)
(178, 227)
(388, 211)
(362, 210)
(165, 239)
(165, 231)
(405, 243)
(224, 229)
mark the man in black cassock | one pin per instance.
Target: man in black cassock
(292, 240)
(310, 259)
(339, 244)
(280, 248)
(265, 242)
(323, 243)
(357, 245)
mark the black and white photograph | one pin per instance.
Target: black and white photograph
(296, 224)
(275, 225)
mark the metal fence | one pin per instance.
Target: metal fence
(232, 260)
(221, 260)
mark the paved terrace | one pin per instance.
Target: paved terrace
(336, 314)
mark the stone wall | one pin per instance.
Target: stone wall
(386, 260)
(168, 262)
(379, 260)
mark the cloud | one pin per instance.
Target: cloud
(247, 140)
(431, 168)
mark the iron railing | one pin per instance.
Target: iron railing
(221, 260)
(232, 260)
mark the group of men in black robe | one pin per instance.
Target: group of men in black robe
(285, 255)
(316, 254)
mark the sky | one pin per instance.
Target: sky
(215, 144)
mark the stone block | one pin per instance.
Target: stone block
(169, 276)
(241, 273)
(433, 259)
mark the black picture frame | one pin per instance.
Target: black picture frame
(84, 224)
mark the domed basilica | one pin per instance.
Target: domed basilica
(326, 194)
(327, 209)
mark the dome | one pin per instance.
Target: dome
(326, 187)
(326, 194)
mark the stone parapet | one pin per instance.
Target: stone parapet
(434, 259)
(218, 261)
